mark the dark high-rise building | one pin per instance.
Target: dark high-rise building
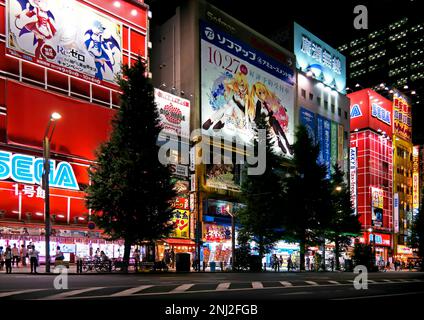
(392, 56)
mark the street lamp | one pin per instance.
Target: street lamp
(45, 182)
(373, 245)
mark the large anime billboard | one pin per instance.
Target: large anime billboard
(238, 83)
(65, 36)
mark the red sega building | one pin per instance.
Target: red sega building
(371, 172)
(59, 56)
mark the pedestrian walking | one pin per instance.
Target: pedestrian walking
(172, 258)
(136, 256)
(1, 258)
(15, 254)
(33, 258)
(23, 255)
(308, 263)
(289, 263)
(332, 264)
(8, 256)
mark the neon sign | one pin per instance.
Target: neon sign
(29, 169)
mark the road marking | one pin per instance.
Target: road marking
(130, 291)
(403, 280)
(257, 285)
(182, 288)
(71, 293)
(387, 280)
(223, 286)
(380, 296)
(371, 281)
(286, 283)
(333, 282)
(312, 283)
(350, 281)
(13, 293)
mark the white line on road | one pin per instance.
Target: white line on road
(286, 283)
(371, 281)
(71, 293)
(312, 283)
(13, 293)
(387, 280)
(334, 282)
(257, 285)
(223, 286)
(380, 296)
(182, 288)
(130, 291)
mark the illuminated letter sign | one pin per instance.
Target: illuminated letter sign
(380, 113)
(28, 169)
(415, 179)
(396, 212)
(352, 161)
(355, 112)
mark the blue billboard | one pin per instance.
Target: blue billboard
(326, 63)
(307, 119)
(324, 141)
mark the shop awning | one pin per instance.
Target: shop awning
(180, 241)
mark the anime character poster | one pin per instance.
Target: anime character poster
(66, 36)
(238, 83)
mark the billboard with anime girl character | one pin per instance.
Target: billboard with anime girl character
(65, 36)
(237, 84)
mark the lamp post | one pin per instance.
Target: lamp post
(373, 246)
(45, 182)
(233, 239)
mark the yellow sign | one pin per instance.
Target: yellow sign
(402, 124)
(404, 250)
(181, 220)
(377, 198)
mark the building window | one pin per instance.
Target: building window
(345, 114)
(303, 93)
(339, 110)
(333, 108)
(311, 96)
(345, 135)
(325, 104)
(319, 100)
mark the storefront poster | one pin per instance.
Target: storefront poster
(73, 39)
(237, 84)
(377, 196)
(181, 220)
(307, 119)
(217, 233)
(174, 113)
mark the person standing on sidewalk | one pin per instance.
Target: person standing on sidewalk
(15, 254)
(23, 255)
(8, 256)
(33, 256)
(136, 257)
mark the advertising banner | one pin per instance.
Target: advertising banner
(334, 145)
(353, 169)
(181, 222)
(239, 83)
(402, 119)
(377, 197)
(415, 179)
(174, 114)
(223, 176)
(340, 143)
(326, 63)
(66, 36)
(307, 119)
(217, 233)
(396, 212)
(324, 141)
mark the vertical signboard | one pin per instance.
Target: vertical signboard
(307, 119)
(324, 141)
(396, 212)
(333, 145)
(353, 168)
(340, 140)
(377, 206)
(415, 179)
(402, 120)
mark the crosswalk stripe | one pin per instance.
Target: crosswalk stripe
(403, 280)
(387, 280)
(223, 286)
(371, 281)
(130, 291)
(183, 287)
(286, 283)
(71, 293)
(350, 281)
(13, 293)
(333, 282)
(313, 283)
(257, 285)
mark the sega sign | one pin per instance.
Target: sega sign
(29, 169)
(380, 113)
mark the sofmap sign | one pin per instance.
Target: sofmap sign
(29, 169)
(65, 36)
(353, 178)
(326, 63)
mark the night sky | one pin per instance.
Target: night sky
(331, 21)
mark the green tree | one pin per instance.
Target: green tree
(308, 195)
(416, 240)
(131, 189)
(363, 255)
(343, 224)
(261, 194)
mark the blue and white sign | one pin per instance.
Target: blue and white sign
(29, 169)
(381, 114)
(324, 141)
(353, 169)
(307, 119)
(312, 54)
(355, 111)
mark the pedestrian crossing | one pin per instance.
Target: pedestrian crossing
(184, 288)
